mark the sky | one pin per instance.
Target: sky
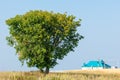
(100, 27)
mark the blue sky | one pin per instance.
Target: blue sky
(100, 26)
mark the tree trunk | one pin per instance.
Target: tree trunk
(47, 70)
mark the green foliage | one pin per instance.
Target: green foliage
(41, 37)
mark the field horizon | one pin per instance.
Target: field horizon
(117, 70)
(101, 74)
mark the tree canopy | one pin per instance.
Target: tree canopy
(41, 37)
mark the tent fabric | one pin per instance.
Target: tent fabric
(100, 63)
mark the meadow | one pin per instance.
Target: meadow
(110, 74)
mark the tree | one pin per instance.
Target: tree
(41, 37)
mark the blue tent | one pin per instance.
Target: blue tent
(96, 64)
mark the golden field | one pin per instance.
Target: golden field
(103, 74)
(104, 71)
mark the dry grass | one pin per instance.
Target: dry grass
(107, 74)
(103, 71)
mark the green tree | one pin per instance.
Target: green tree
(41, 37)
